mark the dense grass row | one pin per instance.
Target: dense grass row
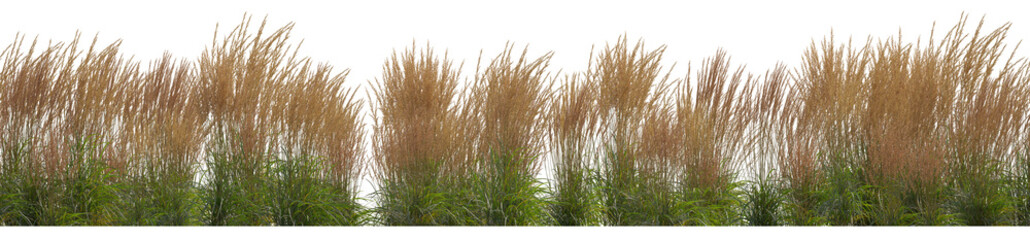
(885, 132)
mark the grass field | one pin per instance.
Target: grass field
(875, 132)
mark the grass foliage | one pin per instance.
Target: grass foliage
(882, 132)
(248, 135)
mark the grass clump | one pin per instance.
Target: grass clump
(712, 116)
(629, 86)
(159, 139)
(29, 103)
(320, 154)
(763, 195)
(58, 106)
(990, 109)
(422, 168)
(508, 98)
(237, 79)
(904, 134)
(285, 137)
(572, 125)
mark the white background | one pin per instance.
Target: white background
(360, 35)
